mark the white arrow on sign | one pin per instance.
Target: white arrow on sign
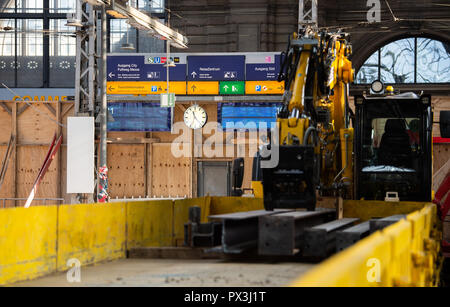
(194, 74)
(111, 75)
(226, 87)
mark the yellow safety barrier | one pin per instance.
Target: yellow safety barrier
(40, 240)
(181, 215)
(27, 243)
(150, 223)
(224, 205)
(91, 233)
(403, 254)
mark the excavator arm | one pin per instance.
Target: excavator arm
(313, 122)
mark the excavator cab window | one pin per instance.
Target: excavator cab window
(393, 145)
(393, 148)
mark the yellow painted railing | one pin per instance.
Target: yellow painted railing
(40, 240)
(403, 254)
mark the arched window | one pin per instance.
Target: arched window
(409, 60)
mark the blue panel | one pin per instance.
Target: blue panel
(139, 116)
(133, 68)
(216, 68)
(263, 71)
(244, 115)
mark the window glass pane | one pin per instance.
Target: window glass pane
(121, 33)
(369, 71)
(30, 6)
(29, 53)
(7, 6)
(433, 61)
(153, 6)
(150, 44)
(247, 115)
(391, 148)
(62, 54)
(397, 62)
(139, 117)
(7, 51)
(63, 6)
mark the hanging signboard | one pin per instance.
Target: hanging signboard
(145, 67)
(216, 68)
(262, 67)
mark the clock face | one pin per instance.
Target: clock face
(195, 117)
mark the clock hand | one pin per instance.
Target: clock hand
(195, 117)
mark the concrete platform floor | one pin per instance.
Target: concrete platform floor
(187, 273)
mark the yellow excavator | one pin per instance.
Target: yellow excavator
(314, 138)
(374, 160)
(380, 151)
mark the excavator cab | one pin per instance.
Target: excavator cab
(393, 147)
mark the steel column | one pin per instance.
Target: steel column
(307, 14)
(86, 60)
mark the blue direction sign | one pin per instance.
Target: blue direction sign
(216, 68)
(144, 68)
(263, 67)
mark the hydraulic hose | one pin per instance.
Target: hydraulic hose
(308, 133)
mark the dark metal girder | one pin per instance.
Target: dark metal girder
(379, 224)
(282, 234)
(350, 236)
(197, 234)
(320, 241)
(240, 230)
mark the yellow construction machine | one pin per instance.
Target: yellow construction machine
(374, 159)
(315, 140)
(381, 150)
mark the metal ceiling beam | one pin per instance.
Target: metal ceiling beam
(307, 14)
(142, 21)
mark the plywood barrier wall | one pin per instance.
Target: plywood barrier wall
(127, 170)
(171, 176)
(33, 127)
(140, 164)
(441, 154)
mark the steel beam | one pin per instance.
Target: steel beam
(154, 27)
(307, 14)
(379, 224)
(86, 77)
(240, 230)
(197, 234)
(282, 234)
(350, 236)
(320, 241)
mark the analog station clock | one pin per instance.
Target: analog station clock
(195, 117)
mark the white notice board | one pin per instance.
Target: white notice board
(80, 155)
